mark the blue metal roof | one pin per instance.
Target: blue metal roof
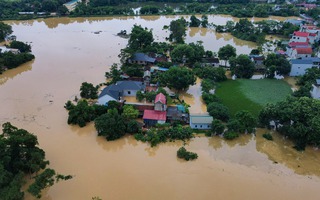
(305, 60)
(143, 57)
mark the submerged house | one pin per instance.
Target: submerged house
(159, 114)
(115, 92)
(141, 59)
(214, 62)
(200, 121)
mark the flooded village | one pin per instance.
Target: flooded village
(69, 52)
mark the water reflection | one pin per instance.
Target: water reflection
(11, 73)
(281, 151)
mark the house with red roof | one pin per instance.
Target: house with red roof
(301, 52)
(299, 36)
(159, 114)
(306, 6)
(294, 45)
(160, 102)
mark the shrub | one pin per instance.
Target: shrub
(186, 155)
(230, 135)
(267, 136)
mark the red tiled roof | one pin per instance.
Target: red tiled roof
(294, 44)
(301, 34)
(304, 50)
(310, 27)
(313, 34)
(160, 98)
(155, 115)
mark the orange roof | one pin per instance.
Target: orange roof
(304, 50)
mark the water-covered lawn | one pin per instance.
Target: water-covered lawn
(252, 95)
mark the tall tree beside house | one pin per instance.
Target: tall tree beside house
(178, 78)
(242, 66)
(88, 91)
(140, 38)
(178, 30)
(282, 65)
(111, 125)
(218, 111)
(5, 30)
(226, 52)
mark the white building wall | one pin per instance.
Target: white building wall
(105, 99)
(299, 69)
(298, 39)
(129, 93)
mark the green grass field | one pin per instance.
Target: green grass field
(252, 95)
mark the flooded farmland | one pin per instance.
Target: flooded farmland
(68, 53)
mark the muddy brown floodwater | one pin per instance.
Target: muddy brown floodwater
(68, 53)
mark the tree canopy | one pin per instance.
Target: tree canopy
(178, 30)
(242, 66)
(226, 52)
(281, 64)
(296, 118)
(5, 30)
(20, 156)
(88, 91)
(178, 78)
(111, 125)
(140, 38)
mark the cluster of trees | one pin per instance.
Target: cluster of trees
(186, 155)
(255, 10)
(21, 156)
(195, 22)
(88, 91)
(296, 118)
(117, 122)
(82, 113)
(305, 82)
(178, 78)
(10, 9)
(255, 32)
(11, 60)
(187, 53)
(157, 136)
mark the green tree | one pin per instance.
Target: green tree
(204, 21)
(194, 21)
(133, 126)
(114, 74)
(242, 66)
(217, 127)
(140, 38)
(218, 111)
(5, 30)
(110, 125)
(178, 78)
(246, 121)
(42, 181)
(296, 118)
(23, 47)
(81, 114)
(177, 30)
(129, 112)
(281, 64)
(226, 52)
(186, 155)
(88, 91)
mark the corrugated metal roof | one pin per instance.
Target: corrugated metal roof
(201, 119)
(310, 60)
(143, 57)
(155, 115)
